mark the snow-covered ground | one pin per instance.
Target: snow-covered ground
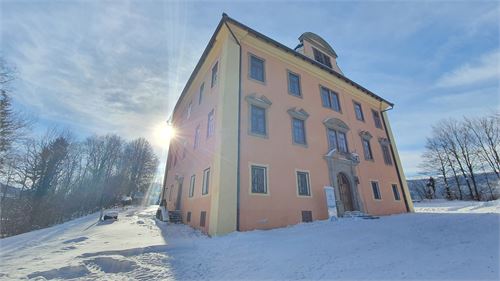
(443, 240)
(445, 206)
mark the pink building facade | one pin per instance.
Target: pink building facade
(262, 129)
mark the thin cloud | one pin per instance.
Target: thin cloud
(487, 68)
(119, 67)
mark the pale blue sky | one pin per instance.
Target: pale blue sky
(98, 67)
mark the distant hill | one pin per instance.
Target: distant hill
(488, 185)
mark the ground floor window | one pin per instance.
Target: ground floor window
(191, 186)
(376, 190)
(259, 179)
(395, 191)
(303, 185)
(203, 217)
(206, 181)
(188, 217)
(307, 216)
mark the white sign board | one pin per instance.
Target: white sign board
(330, 202)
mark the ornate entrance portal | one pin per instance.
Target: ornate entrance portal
(345, 192)
(342, 168)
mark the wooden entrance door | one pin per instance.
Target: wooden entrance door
(345, 192)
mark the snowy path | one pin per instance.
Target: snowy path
(437, 244)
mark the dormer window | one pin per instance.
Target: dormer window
(322, 58)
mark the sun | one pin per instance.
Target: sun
(164, 133)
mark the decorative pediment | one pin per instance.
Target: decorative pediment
(319, 42)
(349, 158)
(365, 135)
(336, 124)
(261, 101)
(298, 113)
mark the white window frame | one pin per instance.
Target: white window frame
(358, 104)
(250, 56)
(201, 92)
(397, 190)
(330, 99)
(297, 171)
(192, 184)
(214, 78)
(211, 124)
(288, 73)
(378, 189)
(250, 191)
(205, 188)
(197, 133)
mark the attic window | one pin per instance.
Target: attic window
(322, 58)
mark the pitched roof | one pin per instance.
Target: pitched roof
(225, 18)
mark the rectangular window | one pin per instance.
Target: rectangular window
(376, 190)
(325, 97)
(294, 84)
(188, 217)
(359, 111)
(337, 140)
(258, 120)
(307, 216)
(376, 119)
(322, 58)
(342, 141)
(367, 149)
(387, 154)
(190, 107)
(206, 181)
(259, 179)
(330, 99)
(211, 124)
(299, 131)
(332, 139)
(184, 149)
(196, 137)
(395, 191)
(200, 97)
(257, 68)
(303, 183)
(214, 74)
(203, 218)
(191, 186)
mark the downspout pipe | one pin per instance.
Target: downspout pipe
(225, 17)
(394, 157)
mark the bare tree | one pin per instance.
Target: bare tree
(486, 132)
(13, 126)
(467, 149)
(448, 133)
(435, 160)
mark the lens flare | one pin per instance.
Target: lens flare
(165, 133)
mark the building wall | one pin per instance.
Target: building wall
(200, 158)
(282, 206)
(218, 152)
